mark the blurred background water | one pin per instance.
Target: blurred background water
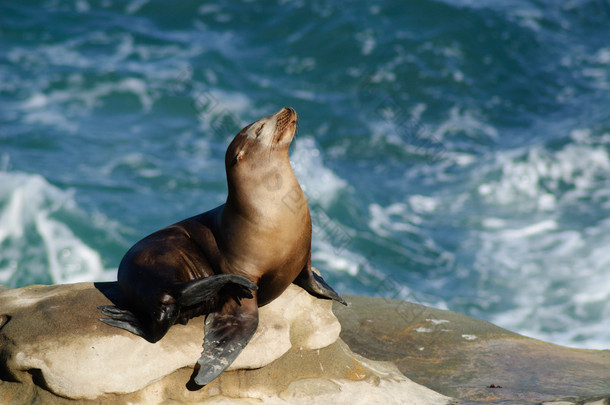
(454, 152)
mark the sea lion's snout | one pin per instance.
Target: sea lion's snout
(287, 114)
(290, 111)
(285, 125)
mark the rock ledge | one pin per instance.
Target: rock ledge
(53, 348)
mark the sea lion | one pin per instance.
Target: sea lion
(227, 261)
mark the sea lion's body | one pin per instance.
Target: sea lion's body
(230, 260)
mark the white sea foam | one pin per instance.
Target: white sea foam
(367, 41)
(61, 54)
(328, 256)
(82, 6)
(464, 121)
(305, 94)
(145, 166)
(36, 107)
(319, 183)
(135, 6)
(325, 256)
(295, 65)
(414, 135)
(35, 241)
(536, 178)
(402, 229)
(529, 230)
(535, 270)
(51, 119)
(423, 204)
(223, 113)
(557, 274)
(332, 248)
(393, 218)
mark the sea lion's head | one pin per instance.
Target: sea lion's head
(164, 312)
(257, 159)
(272, 133)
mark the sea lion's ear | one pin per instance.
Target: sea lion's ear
(237, 158)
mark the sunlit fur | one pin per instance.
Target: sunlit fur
(266, 216)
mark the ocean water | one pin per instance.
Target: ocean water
(455, 153)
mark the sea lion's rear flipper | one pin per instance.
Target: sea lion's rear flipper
(121, 318)
(203, 289)
(313, 283)
(226, 334)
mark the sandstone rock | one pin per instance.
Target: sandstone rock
(53, 347)
(466, 358)
(451, 353)
(51, 324)
(581, 401)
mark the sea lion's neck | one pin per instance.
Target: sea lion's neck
(277, 194)
(263, 183)
(262, 224)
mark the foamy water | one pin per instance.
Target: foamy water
(37, 245)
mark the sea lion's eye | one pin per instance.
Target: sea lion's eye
(259, 130)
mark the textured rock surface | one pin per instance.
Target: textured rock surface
(51, 324)
(52, 343)
(463, 357)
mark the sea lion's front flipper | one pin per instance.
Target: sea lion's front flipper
(203, 289)
(226, 334)
(121, 318)
(313, 283)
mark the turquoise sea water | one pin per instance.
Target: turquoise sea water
(454, 153)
